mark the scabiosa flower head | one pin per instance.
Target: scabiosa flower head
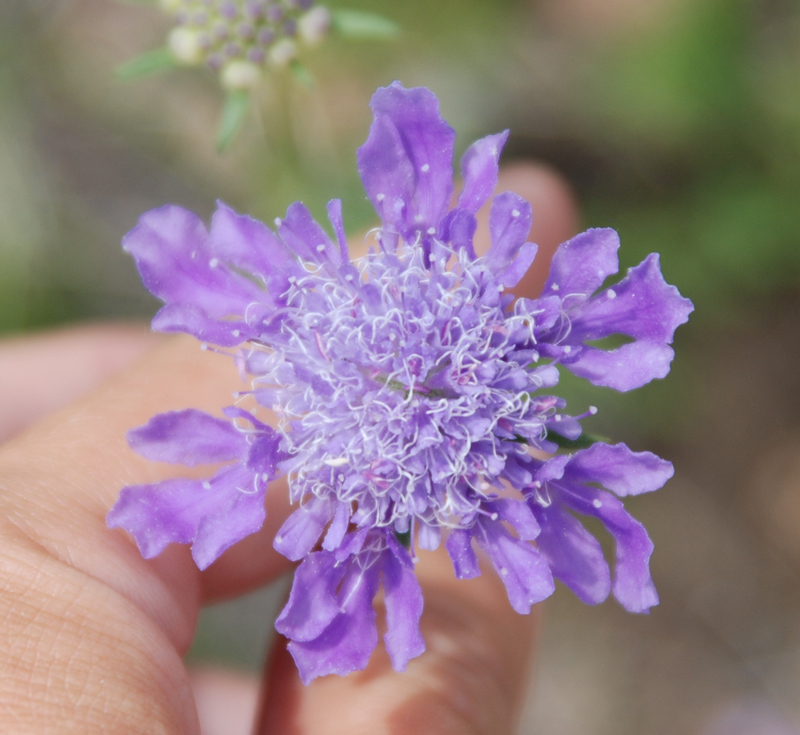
(238, 38)
(412, 390)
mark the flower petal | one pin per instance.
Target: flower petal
(522, 568)
(512, 275)
(347, 643)
(403, 597)
(465, 561)
(406, 163)
(581, 264)
(335, 217)
(633, 585)
(215, 513)
(312, 603)
(304, 237)
(642, 305)
(626, 368)
(241, 514)
(159, 514)
(187, 437)
(509, 224)
(618, 468)
(301, 530)
(251, 246)
(193, 320)
(517, 514)
(479, 168)
(459, 230)
(574, 555)
(265, 455)
(170, 246)
(338, 528)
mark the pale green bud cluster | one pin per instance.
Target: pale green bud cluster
(239, 38)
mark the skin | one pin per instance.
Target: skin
(92, 635)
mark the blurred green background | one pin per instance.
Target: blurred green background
(677, 122)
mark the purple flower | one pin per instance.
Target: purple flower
(411, 388)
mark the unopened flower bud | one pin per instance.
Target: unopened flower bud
(240, 75)
(186, 45)
(258, 33)
(283, 52)
(314, 25)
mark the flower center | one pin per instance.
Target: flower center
(406, 393)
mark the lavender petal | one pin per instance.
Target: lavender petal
(302, 529)
(619, 469)
(193, 320)
(479, 169)
(170, 246)
(403, 607)
(522, 568)
(574, 555)
(215, 513)
(252, 247)
(626, 368)
(187, 437)
(348, 641)
(633, 586)
(406, 163)
(465, 561)
(581, 264)
(509, 224)
(306, 238)
(312, 603)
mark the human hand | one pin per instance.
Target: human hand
(94, 635)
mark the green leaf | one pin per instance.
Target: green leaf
(237, 103)
(360, 25)
(301, 74)
(582, 442)
(152, 62)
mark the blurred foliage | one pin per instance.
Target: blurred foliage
(710, 106)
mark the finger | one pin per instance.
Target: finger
(44, 372)
(472, 677)
(226, 701)
(108, 627)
